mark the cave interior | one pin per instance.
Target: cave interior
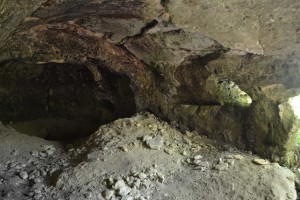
(228, 70)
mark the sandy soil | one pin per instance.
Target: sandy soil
(136, 158)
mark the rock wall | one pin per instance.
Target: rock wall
(61, 101)
(224, 68)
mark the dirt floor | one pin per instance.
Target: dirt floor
(136, 158)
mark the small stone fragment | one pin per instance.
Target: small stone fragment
(119, 184)
(230, 161)
(136, 143)
(260, 161)
(169, 151)
(127, 198)
(110, 181)
(198, 157)
(34, 153)
(23, 175)
(238, 157)
(146, 137)
(200, 168)
(156, 142)
(188, 133)
(228, 157)
(124, 149)
(107, 194)
(105, 148)
(142, 176)
(51, 147)
(221, 166)
(202, 163)
(137, 183)
(88, 195)
(49, 152)
(41, 154)
(161, 177)
(147, 183)
(124, 190)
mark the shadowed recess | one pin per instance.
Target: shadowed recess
(61, 101)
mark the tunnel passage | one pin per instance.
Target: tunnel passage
(61, 101)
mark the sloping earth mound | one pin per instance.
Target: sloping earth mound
(136, 158)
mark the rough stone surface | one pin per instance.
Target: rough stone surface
(259, 27)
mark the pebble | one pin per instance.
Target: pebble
(52, 170)
(19, 166)
(228, 157)
(202, 163)
(37, 196)
(198, 157)
(124, 149)
(136, 143)
(42, 154)
(105, 148)
(119, 184)
(23, 175)
(108, 194)
(142, 176)
(169, 151)
(137, 183)
(260, 161)
(88, 195)
(37, 180)
(221, 166)
(156, 142)
(49, 147)
(188, 133)
(127, 198)
(147, 184)
(124, 190)
(238, 157)
(230, 161)
(146, 137)
(49, 152)
(31, 194)
(161, 177)
(34, 153)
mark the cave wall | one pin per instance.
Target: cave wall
(224, 68)
(61, 101)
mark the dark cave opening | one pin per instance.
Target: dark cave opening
(61, 101)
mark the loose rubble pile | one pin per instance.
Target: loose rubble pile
(138, 185)
(140, 158)
(25, 173)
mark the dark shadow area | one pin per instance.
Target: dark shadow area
(61, 101)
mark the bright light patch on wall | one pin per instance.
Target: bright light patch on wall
(295, 103)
